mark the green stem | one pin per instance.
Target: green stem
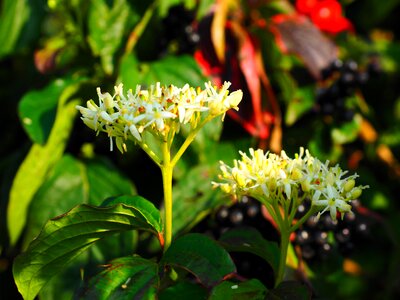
(285, 234)
(140, 27)
(275, 205)
(295, 206)
(189, 139)
(151, 154)
(304, 218)
(166, 170)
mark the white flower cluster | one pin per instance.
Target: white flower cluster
(269, 176)
(159, 110)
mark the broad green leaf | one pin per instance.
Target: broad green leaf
(71, 182)
(227, 290)
(63, 189)
(14, 15)
(34, 168)
(201, 256)
(347, 132)
(193, 197)
(204, 7)
(105, 180)
(129, 73)
(248, 239)
(106, 30)
(63, 285)
(183, 290)
(65, 237)
(176, 70)
(146, 208)
(302, 101)
(321, 144)
(130, 277)
(37, 109)
(165, 5)
(8, 167)
(292, 290)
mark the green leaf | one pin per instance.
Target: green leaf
(105, 180)
(106, 30)
(302, 101)
(146, 208)
(194, 197)
(63, 189)
(227, 290)
(248, 239)
(176, 70)
(348, 132)
(182, 291)
(292, 290)
(70, 183)
(164, 6)
(129, 73)
(204, 7)
(37, 109)
(201, 256)
(65, 237)
(31, 174)
(130, 277)
(14, 15)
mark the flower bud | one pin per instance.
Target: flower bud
(108, 102)
(330, 179)
(349, 185)
(305, 186)
(240, 179)
(235, 98)
(296, 174)
(356, 193)
(91, 105)
(226, 188)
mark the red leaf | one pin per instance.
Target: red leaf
(243, 66)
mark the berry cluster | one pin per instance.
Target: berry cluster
(247, 212)
(179, 31)
(342, 80)
(318, 239)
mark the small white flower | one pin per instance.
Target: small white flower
(155, 114)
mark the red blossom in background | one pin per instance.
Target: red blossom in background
(327, 15)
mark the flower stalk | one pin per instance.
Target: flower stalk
(283, 247)
(167, 170)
